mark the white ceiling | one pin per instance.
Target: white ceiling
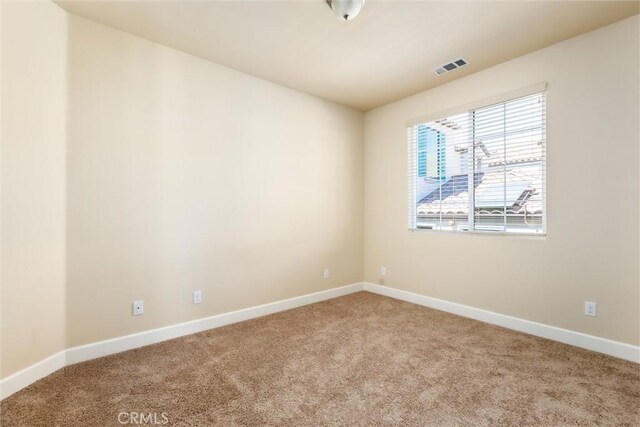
(385, 54)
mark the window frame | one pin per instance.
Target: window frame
(468, 108)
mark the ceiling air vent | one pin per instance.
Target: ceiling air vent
(450, 66)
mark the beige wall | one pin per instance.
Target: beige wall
(133, 171)
(33, 182)
(186, 175)
(591, 251)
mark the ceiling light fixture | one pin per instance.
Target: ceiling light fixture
(346, 9)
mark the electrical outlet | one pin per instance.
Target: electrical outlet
(197, 297)
(138, 307)
(326, 273)
(590, 308)
(383, 271)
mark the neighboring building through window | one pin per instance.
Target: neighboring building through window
(431, 152)
(481, 170)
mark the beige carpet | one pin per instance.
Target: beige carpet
(359, 360)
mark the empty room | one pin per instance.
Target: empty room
(320, 213)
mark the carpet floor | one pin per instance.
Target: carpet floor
(358, 360)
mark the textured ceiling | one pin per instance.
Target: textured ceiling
(385, 54)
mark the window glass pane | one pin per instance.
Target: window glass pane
(482, 170)
(442, 197)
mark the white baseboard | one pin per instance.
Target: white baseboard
(578, 339)
(140, 339)
(29, 375)
(19, 380)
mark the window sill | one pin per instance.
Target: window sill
(479, 232)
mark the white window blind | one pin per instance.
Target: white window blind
(481, 170)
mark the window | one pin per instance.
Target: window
(481, 170)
